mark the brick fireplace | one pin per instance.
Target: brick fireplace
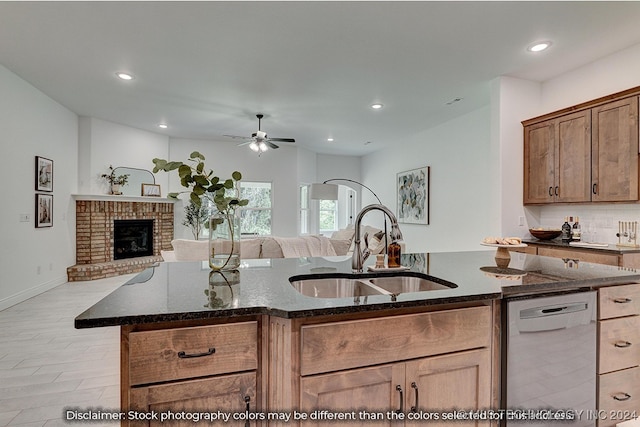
(95, 218)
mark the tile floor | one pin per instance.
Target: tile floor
(47, 365)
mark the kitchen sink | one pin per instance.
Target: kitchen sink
(340, 285)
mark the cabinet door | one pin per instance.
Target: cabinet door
(573, 157)
(448, 382)
(373, 390)
(226, 394)
(615, 151)
(539, 163)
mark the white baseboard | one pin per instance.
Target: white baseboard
(31, 292)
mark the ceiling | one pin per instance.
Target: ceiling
(312, 68)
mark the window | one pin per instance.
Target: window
(256, 216)
(305, 212)
(328, 214)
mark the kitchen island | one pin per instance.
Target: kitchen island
(256, 346)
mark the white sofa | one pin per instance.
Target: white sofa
(340, 243)
(263, 247)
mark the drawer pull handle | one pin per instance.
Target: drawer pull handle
(622, 300)
(621, 397)
(622, 344)
(399, 389)
(414, 386)
(183, 355)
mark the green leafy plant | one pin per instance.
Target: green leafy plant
(112, 179)
(203, 183)
(196, 218)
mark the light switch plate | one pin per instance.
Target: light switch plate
(25, 217)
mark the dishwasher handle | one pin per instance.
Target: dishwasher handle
(553, 310)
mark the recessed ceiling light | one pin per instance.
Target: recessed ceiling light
(330, 139)
(376, 106)
(539, 46)
(124, 76)
(163, 125)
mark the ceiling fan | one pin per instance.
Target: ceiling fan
(259, 141)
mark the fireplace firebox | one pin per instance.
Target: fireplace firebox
(132, 238)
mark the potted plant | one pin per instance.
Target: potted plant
(224, 195)
(196, 218)
(115, 181)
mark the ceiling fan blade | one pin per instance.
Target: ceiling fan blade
(282, 139)
(270, 144)
(245, 143)
(238, 137)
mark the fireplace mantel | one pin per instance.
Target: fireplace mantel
(121, 198)
(95, 216)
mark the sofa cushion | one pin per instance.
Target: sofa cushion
(190, 250)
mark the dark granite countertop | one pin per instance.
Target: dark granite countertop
(175, 291)
(558, 243)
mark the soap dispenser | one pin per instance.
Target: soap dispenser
(393, 255)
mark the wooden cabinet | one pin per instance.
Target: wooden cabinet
(618, 353)
(575, 255)
(426, 385)
(423, 362)
(615, 151)
(557, 160)
(587, 153)
(199, 369)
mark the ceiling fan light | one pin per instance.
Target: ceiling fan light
(254, 146)
(263, 147)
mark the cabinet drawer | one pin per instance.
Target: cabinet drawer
(618, 392)
(585, 256)
(617, 301)
(619, 341)
(349, 344)
(171, 354)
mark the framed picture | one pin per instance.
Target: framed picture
(44, 210)
(152, 190)
(413, 196)
(44, 174)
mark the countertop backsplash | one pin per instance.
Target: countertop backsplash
(599, 222)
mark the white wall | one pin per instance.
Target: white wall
(459, 154)
(276, 166)
(32, 124)
(104, 143)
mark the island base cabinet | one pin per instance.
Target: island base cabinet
(618, 396)
(221, 396)
(428, 390)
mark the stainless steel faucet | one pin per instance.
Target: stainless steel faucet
(359, 256)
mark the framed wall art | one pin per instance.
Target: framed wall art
(413, 196)
(44, 174)
(44, 210)
(152, 190)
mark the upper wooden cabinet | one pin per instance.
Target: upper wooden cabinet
(615, 151)
(557, 162)
(586, 153)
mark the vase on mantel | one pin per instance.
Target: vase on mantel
(115, 189)
(224, 241)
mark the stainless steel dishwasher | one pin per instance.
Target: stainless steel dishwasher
(551, 359)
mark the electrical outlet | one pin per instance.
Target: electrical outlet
(521, 221)
(25, 218)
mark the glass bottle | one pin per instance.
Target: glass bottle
(566, 231)
(576, 231)
(393, 255)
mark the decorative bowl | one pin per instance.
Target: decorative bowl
(545, 233)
